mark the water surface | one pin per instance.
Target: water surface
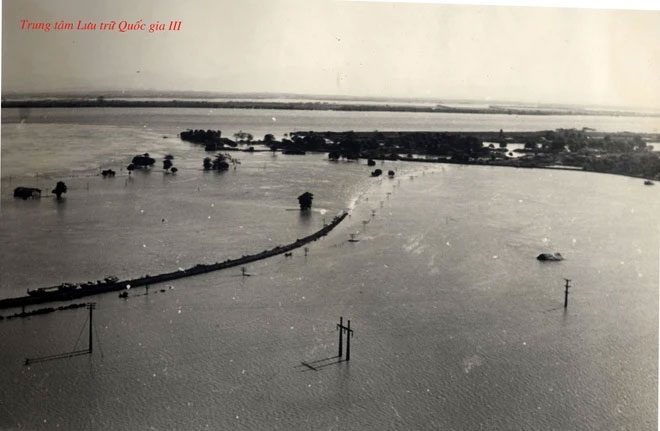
(457, 325)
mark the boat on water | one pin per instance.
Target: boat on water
(648, 183)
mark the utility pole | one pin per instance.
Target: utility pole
(349, 335)
(340, 328)
(91, 307)
(566, 292)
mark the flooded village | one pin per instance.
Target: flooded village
(329, 215)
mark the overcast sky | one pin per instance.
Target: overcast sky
(538, 55)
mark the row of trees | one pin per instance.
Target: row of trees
(144, 161)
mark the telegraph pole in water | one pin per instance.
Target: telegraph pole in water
(349, 334)
(91, 306)
(340, 327)
(566, 292)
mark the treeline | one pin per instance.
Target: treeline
(354, 145)
(621, 153)
(309, 106)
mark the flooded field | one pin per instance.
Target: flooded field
(457, 325)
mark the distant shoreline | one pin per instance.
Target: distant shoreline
(306, 106)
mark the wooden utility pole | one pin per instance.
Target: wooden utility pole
(566, 292)
(91, 307)
(340, 328)
(349, 335)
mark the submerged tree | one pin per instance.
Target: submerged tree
(305, 201)
(207, 164)
(243, 136)
(269, 138)
(143, 160)
(60, 188)
(168, 165)
(220, 163)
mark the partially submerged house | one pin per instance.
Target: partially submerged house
(27, 192)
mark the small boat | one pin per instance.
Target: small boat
(353, 239)
(648, 183)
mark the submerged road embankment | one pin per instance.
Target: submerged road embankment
(79, 290)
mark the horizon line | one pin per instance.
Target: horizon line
(81, 93)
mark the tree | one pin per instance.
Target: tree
(143, 161)
(305, 201)
(174, 170)
(167, 164)
(130, 168)
(269, 138)
(220, 162)
(243, 136)
(60, 188)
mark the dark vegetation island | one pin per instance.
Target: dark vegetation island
(622, 153)
(618, 153)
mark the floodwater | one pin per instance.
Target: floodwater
(457, 325)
